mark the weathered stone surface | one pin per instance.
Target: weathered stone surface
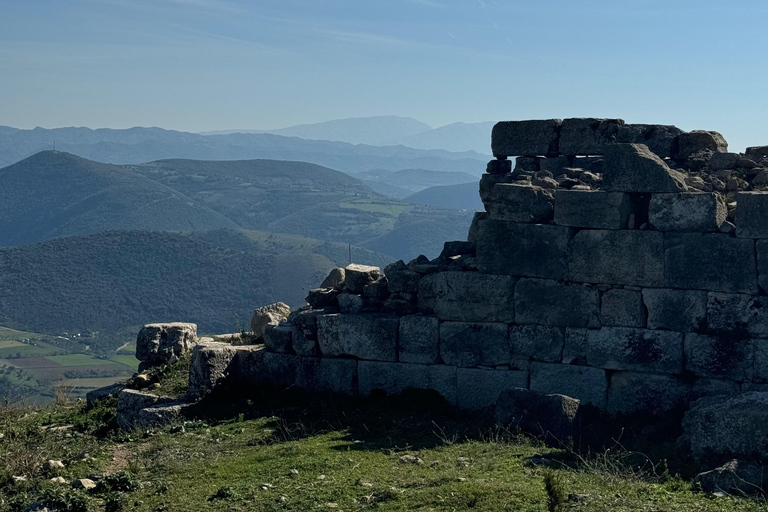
(474, 225)
(757, 151)
(480, 388)
(489, 181)
(527, 164)
(394, 378)
(737, 314)
(372, 337)
(752, 215)
(520, 203)
(317, 298)
(211, 363)
(592, 209)
(542, 343)
(270, 315)
(557, 165)
(474, 344)
(357, 276)
(589, 385)
(624, 348)
(634, 168)
(457, 248)
(723, 161)
(687, 212)
(403, 281)
(575, 347)
(690, 143)
(161, 414)
(588, 136)
(350, 303)
(661, 139)
(676, 310)
(157, 343)
(617, 257)
(468, 296)
(130, 403)
(279, 338)
(709, 262)
(762, 263)
(732, 426)
(499, 167)
(328, 374)
(335, 279)
(760, 369)
(525, 138)
(258, 367)
(724, 357)
(376, 290)
(419, 339)
(540, 414)
(101, 393)
(304, 324)
(622, 308)
(528, 250)
(547, 302)
(734, 477)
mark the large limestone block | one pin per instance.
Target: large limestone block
(419, 339)
(328, 374)
(474, 344)
(372, 337)
(542, 343)
(592, 209)
(732, 426)
(526, 250)
(394, 378)
(622, 308)
(130, 403)
(575, 347)
(676, 310)
(625, 348)
(661, 139)
(211, 364)
(737, 314)
(762, 263)
(525, 138)
(545, 415)
(357, 276)
(687, 212)
(154, 416)
(757, 151)
(584, 383)
(690, 143)
(724, 357)
(480, 388)
(520, 203)
(711, 261)
(279, 338)
(752, 215)
(588, 136)
(276, 369)
(158, 343)
(617, 257)
(468, 296)
(644, 392)
(304, 335)
(547, 302)
(760, 368)
(267, 316)
(634, 168)
(489, 181)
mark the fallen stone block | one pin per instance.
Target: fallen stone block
(676, 310)
(584, 383)
(723, 161)
(335, 279)
(551, 416)
(130, 403)
(634, 168)
(724, 357)
(267, 316)
(527, 250)
(661, 139)
(395, 378)
(735, 477)
(372, 337)
(419, 339)
(158, 343)
(624, 348)
(468, 297)
(757, 151)
(737, 314)
(542, 343)
(557, 165)
(588, 136)
(480, 388)
(317, 298)
(279, 338)
(617, 257)
(357, 276)
(525, 138)
(592, 209)
(708, 262)
(687, 212)
(402, 280)
(328, 374)
(161, 415)
(474, 344)
(520, 203)
(350, 303)
(690, 143)
(752, 215)
(622, 308)
(210, 365)
(547, 302)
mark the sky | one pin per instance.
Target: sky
(199, 65)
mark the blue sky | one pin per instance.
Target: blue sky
(215, 64)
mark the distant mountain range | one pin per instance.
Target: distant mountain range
(462, 196)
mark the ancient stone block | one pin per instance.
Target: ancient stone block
(724, 357)
(158, 343)
(575, 346)
(499, 167)
(634, 168)
(468, 296)
(328, 374)
(542, 343)
(474, 344)
(520, 203)
(394, 378)
(279, 338)
(403, 281)
(546, 302)
(525, 138)
(589, 385)
(372, 337)
(543, 415)
(622, 308)
(661, 139)
(760, 368)
(588, 136)
(304, 335)
(676, 310)
(762, 263)
(617, 257)
(690, 143)
(335, 279)
(528, 164)
(592, 209)
(752, 215)
(211, 363)
(357, 276)
(557, 165)
(162, 414)
(687, 212)
(723, 161)
(737, 314)
(735, 477)
(419, 339)
(528, 250)
(270, 315)
(624, 348)
(350, 303)
(757, 151)
(277, 369)
(130, 404)
(489, 181)
(711, 261)
(320, 298)
(457, 248)
(480, 388)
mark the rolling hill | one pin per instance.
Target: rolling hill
(463, 196)
(408, 181)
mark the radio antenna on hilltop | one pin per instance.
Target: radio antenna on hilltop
(350, 254)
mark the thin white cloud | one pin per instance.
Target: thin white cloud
(427, 3)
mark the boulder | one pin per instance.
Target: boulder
(622, 308)
(357, 276)
(547, 302)
(161, 415)
(468, 297)
(335, 279)
(752, 215)
(499, 167)
(546, 415)
(479, 388)
(757, 151)
(520, 203)
(634, 168)
(690, 143)
(130, 403)
(676, 310)
(350, 303)
(266, 316)
(525, 138)
(556, 165)
(734, 477)
(661, 139)
(588, 136)
(687, 212)
(474, 344)
(592, 209)
(157, 343)
(723, 161)
(85, 484)
(372, 337)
